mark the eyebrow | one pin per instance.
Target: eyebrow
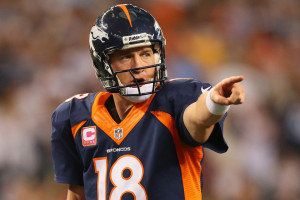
(147, 50)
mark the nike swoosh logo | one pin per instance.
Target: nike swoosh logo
(206, 89)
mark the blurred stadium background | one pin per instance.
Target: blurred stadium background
(44, 59)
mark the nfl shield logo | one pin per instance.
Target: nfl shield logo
(118, 133)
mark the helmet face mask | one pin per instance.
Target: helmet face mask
(123, 27)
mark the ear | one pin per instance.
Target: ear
(156, 53)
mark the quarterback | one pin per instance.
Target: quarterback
(142, 138)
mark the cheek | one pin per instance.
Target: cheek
(116, 66)
(150, 72)
(124, 77)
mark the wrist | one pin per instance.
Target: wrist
(215, 108)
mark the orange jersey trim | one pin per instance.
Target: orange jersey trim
(76, 127)
(105, 122)
(126, 13)
(189, 158)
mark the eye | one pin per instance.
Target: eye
(125, 57)
(146, 54)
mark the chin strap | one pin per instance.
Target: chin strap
(134, 91)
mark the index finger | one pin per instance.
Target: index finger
(233, 79)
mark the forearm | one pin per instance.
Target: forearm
(199, 121)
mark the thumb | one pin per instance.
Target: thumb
(219, 99)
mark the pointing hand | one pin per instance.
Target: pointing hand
(229, 91)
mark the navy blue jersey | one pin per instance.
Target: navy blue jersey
(149, 155)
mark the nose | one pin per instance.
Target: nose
(137, 62)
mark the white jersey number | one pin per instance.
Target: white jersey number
(122, 184)
(78, 96)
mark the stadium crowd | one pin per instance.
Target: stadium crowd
(44, 59)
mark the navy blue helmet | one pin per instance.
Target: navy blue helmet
(122, 27)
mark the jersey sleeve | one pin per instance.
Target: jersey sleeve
(187, 93)
(215, 142)
(67, 163)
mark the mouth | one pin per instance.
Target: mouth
(140, 81)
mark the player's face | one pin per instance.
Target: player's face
(131, 59)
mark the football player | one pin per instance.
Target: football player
(144, 137)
